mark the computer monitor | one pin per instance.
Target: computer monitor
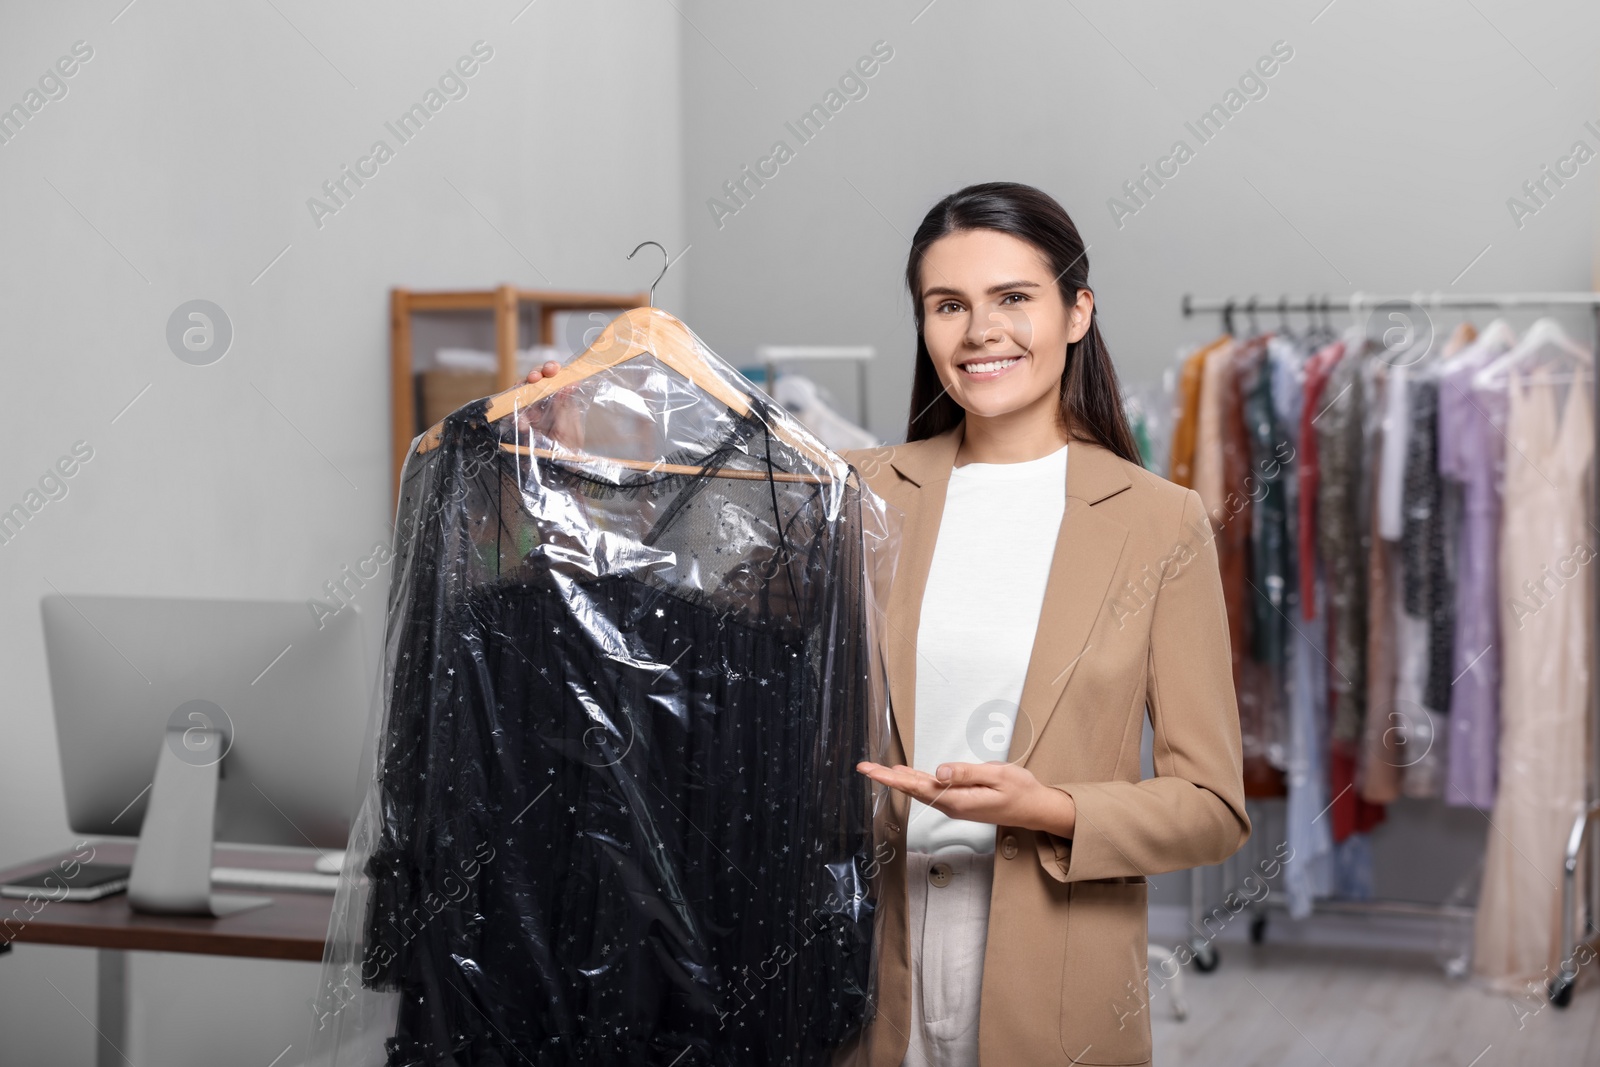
(170, 712)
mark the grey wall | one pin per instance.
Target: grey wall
(1379, 159)
(179, 163)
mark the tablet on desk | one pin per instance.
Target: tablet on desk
(90, 881)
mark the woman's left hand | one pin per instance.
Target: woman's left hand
(1005, 794)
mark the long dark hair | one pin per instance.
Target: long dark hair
(1091, 400)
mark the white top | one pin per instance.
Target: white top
(1392, 458)
(980, 612)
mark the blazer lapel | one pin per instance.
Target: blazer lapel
(1088, 550)
(1089, 545)
(927, 464)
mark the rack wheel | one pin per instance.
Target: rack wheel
(1205, 955)
(1258, 929)
(1561, 991)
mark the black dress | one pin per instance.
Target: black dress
(614, 816)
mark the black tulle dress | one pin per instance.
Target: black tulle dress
(620, 821)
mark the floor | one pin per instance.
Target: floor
(1284, 1006)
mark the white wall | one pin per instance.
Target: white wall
(178, 166)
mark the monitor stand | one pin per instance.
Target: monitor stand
(172, 866)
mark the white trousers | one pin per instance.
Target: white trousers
(949, 919)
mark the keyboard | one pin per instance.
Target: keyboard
(258, 878)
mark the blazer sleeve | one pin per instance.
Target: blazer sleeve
(1192, 813)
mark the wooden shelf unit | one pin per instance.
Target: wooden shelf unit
(507, 302)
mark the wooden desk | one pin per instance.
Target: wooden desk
(293, 927)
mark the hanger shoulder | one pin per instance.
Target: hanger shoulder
(676, 346)
(631, 334)
(634, 333)
(622, 339)
(673, 344)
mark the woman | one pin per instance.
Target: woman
(1048, 590)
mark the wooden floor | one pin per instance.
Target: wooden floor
(1286, 1006)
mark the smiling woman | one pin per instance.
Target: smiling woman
(1022, 833)
(989, 296)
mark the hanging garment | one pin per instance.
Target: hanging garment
(1309, 474)
(1472, 453)
(1269, 516)
(1420, 518)
(1345, 429)
(1186, 419)
(1424, 627)
(1210, 478)
(1427, 622)
(1342, 537)
(1545, 688)
(1308, 833)
(1428, 594)
(1353, 868)
(613, 814)
(1385, 739)
(1392, 468)
(1232, 518)
(1139, 424)
(806, 401)
(1271, 553)
(1352, 812)
(1150, 412)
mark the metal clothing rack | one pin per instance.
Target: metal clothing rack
(1560, 987)
(772, 355)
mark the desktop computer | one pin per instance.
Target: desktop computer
(185, 722)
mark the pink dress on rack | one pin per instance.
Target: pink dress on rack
(1545, 681)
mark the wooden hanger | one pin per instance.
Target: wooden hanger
(640, 331)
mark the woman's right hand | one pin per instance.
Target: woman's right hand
(549, 369)
(558, 417)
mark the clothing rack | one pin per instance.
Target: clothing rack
(1559, 988)
(771, 355)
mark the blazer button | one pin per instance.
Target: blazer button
(1008, 846)
(894, 828)
(939, 874)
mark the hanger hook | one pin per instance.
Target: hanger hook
(664, 267)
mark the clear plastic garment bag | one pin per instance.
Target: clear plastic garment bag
(611, 813)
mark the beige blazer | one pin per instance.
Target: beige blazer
(1133, 616)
